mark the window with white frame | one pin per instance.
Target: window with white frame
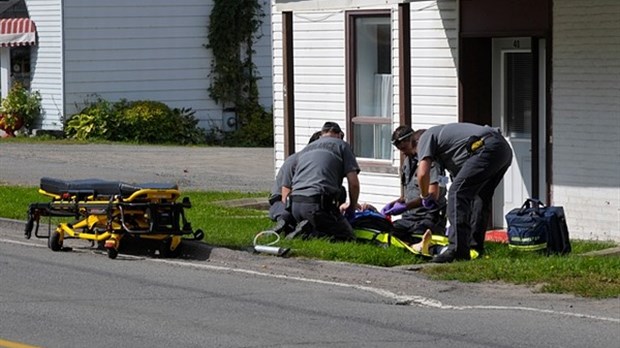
(370, 83)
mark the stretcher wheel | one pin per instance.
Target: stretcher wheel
(54, 241)
(112, 253)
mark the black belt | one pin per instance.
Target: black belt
(306, 199)
(325, 202)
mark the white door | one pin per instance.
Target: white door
(513, 89)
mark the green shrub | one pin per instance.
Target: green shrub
(146, 121)
(95, 121)
(186, 129)
(20, 102)
(141, 121)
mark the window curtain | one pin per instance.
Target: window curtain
(383, 95)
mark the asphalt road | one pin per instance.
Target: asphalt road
(219, 298)
(192, 168)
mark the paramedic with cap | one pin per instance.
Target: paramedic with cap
(416, 218)
(476, 158)
(277, 206)
(315, 187)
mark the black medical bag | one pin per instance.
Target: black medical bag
(536, 227)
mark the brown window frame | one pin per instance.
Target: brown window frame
(367, 164)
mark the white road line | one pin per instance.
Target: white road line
(398, 299)
(9, 241)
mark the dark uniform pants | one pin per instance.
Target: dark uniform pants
(277, 211)
(407, 226)
(471, 193)
(326, 222)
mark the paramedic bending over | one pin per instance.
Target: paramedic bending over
(477, 158)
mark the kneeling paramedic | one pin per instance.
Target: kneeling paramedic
(316, 186)
(285, 223)
(416, 218)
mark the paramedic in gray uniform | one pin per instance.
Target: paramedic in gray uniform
(277, 207)
(476, 158)
(321, 167)
(416, 218)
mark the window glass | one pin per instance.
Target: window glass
(373, 141)
(373, 86)
(519, 94)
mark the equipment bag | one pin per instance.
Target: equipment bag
(370, 219)
(535, 226)
(371, 226)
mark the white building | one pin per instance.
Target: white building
(546, 71)
(136, 50)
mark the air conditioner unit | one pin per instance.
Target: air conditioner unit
(229, 120)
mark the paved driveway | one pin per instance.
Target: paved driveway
(199, 168)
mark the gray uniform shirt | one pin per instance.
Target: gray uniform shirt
(446, 144)
(284, 175)
(412, 188)
(321, 166)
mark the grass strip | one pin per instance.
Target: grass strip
(235, 228)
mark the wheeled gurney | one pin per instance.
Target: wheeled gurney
(108, 211)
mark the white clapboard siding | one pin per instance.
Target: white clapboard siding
(320, 86)
(319, 75)
(46, 67)
(586, 121)
(317, 31)
(165, 34)
(278, 87)
(148, 49)
(434, 62)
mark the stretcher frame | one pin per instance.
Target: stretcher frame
(106, 212)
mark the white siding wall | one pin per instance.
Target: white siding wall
(319, 75)
(434, 40)
(586, 116)
(46, 67)
(320, 78)
(277, 79)
(320, 87)
(151, 49)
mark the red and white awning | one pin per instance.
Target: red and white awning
(17, 32)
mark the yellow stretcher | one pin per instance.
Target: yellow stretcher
(108, 211)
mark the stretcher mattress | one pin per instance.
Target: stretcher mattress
(98, 186)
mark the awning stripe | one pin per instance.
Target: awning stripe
(17, 32)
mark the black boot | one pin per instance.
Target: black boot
(302, 229)
(449, 256)
(279, 227)
(445, 257)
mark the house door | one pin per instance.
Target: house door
(518, 108)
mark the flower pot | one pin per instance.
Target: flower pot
(9, 123)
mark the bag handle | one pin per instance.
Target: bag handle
(532, 203)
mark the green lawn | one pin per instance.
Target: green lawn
(235, 228)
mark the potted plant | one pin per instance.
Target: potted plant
(20, 108)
